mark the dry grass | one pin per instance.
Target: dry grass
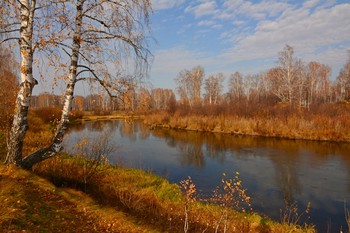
(32, 204)
(315, 127)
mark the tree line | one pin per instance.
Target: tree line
(292, 82)
(139, 100)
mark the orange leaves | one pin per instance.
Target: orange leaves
(189, 189)
(231, 194)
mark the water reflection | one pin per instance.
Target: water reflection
(273, 170)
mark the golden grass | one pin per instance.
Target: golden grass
(32, 204)
(109, 117)
(318, 127)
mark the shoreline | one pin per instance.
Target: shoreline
(239, 126)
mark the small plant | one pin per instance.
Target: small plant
(291, 215)
(230, 195)
(190, 192)
(96, 152)
(347, 216)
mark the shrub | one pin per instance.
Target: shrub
(76, 114)
(48, 114)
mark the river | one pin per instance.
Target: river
(272, 170)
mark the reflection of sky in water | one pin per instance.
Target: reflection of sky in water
(271, 169)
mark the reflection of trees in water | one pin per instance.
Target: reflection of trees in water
(286, 177)
(96, 126)
(144, 131)
(77, 127)
(191, 154)
(318, 153)
(284, 154)
(129, 129)
(188, 143)
(216, 152)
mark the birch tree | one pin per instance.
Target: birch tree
(317, 82)
(213, 87)
(190, 84)
(236, 86)
(343, 81)
(285, 78)
(18, 26)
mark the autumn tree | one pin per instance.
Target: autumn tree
(318, 85)
(100, 41)
(189, 85)
(8, 89)
(286, 77)
(343, 81)
(162, 99)
(235, 86)
(144, 100)
(213, 88)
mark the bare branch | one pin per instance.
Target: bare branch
(97, 20)
(95, 78)
(7, 39)
(9, 31)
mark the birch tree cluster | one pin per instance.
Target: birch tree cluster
(99, 41)
(291, 82)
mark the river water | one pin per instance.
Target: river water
(272, 170)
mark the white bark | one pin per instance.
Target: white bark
(20, 124)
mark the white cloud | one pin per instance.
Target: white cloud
(258, 11)
(310, 3)
(209, 23)
(204, 8)
(301, 29)
(206, 23)
(169, 62)
(317, 30)
(175, 59)
(166, 4)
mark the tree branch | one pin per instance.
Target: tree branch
(104, 84)
(7, 39)
(97, 20)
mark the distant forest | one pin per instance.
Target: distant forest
(291, 83)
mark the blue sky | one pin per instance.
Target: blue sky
(245, 35)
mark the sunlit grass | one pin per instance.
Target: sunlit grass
(316, 127)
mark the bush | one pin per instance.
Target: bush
(76, 114)
(48, 114)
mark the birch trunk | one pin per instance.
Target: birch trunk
(56, 145)
(20, 123)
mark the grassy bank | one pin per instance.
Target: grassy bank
(114, 200)
(32, 204)
(293, 126)
(73, 194)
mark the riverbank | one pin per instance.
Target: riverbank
(321, 128)
(92, 117)
(108, 198)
